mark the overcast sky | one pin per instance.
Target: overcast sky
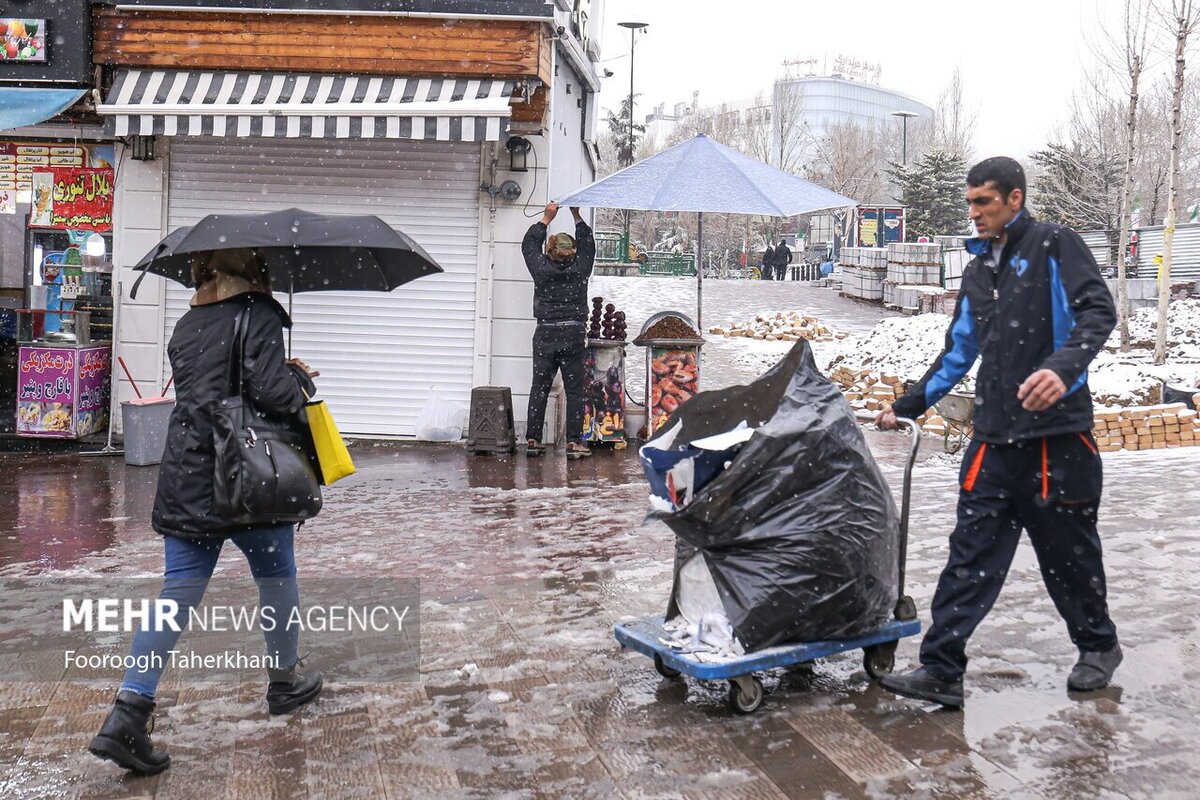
(1020, 59)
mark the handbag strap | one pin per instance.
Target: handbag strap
(241, 326)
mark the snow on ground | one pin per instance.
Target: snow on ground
(1183, 335)
(902, 346)
(879, 341)
(906, 346)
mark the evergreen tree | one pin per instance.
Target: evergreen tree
(618, 126)
(931, 189)
(1077, 187)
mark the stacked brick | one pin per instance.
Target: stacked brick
(865, 390)
(1147, 427)
(789, 327)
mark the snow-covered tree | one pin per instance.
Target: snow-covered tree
(625, 136)
(931, 188)
(1078, 185)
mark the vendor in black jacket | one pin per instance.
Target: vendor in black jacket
(1034, 310)
(560, 268)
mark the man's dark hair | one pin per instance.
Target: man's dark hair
(1002, 171)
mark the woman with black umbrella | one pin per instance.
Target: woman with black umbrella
(230, 285)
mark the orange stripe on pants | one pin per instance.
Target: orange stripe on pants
(976, 465)
(1045, 470)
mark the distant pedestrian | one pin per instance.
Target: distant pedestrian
(783, 257)
(1035, 311)
(560, 267)
(767, 265)
(230, 286)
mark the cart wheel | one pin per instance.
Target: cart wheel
(879, 659)
(661, 667)
(745, 694)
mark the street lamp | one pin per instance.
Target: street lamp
(905, 115)
(633, 27)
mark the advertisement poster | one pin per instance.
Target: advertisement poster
(91, 406)
(23, 40)
(46, 391)
(868, 226)
(19, 160)
(673, 374)
(77, 199)
(8, 201)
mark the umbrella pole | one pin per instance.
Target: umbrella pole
(291, 292)
(700, 271)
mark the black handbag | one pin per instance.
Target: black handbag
(263, 474)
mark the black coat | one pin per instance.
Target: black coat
(783, 255)
(1044, 307)
(560, 291)
(199, 351)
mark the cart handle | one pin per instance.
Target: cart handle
(914, 429)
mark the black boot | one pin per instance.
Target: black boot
(125, 736)
(1094, 669)
(921, 685)
(290, 688)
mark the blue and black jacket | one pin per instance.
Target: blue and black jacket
(1044, 306)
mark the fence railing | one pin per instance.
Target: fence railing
(668, 264)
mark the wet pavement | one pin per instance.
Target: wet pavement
(522, 692)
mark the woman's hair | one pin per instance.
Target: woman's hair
(243, 263)
(202, 271)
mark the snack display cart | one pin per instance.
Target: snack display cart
(604, 377)
(604, 393)
(672, 364)
(63, 386)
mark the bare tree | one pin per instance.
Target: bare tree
(790, 137)
(1079, 171)
(1124, 53)
(954, 124)
(1180, 18)
(1152, 159)
(849, 159)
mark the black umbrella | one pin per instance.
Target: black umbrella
(303, 251)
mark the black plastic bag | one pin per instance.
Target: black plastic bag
(800, 532)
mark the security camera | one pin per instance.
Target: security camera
(561, 30)
(608, 73)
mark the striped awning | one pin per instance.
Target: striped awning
(247, 104)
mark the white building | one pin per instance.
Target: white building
(379, 354)
(806, 109)
(661, 123)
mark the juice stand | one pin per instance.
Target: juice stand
(63, 386)
(64, 347)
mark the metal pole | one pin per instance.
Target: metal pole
(629, 214)
(700, 272)
(291, 291)
(905, 145)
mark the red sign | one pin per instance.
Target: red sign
(73, 199)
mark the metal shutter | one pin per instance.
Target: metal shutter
(378, 354)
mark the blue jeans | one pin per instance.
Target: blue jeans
(189, 565)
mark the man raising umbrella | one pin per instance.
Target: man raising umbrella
(560, 267)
